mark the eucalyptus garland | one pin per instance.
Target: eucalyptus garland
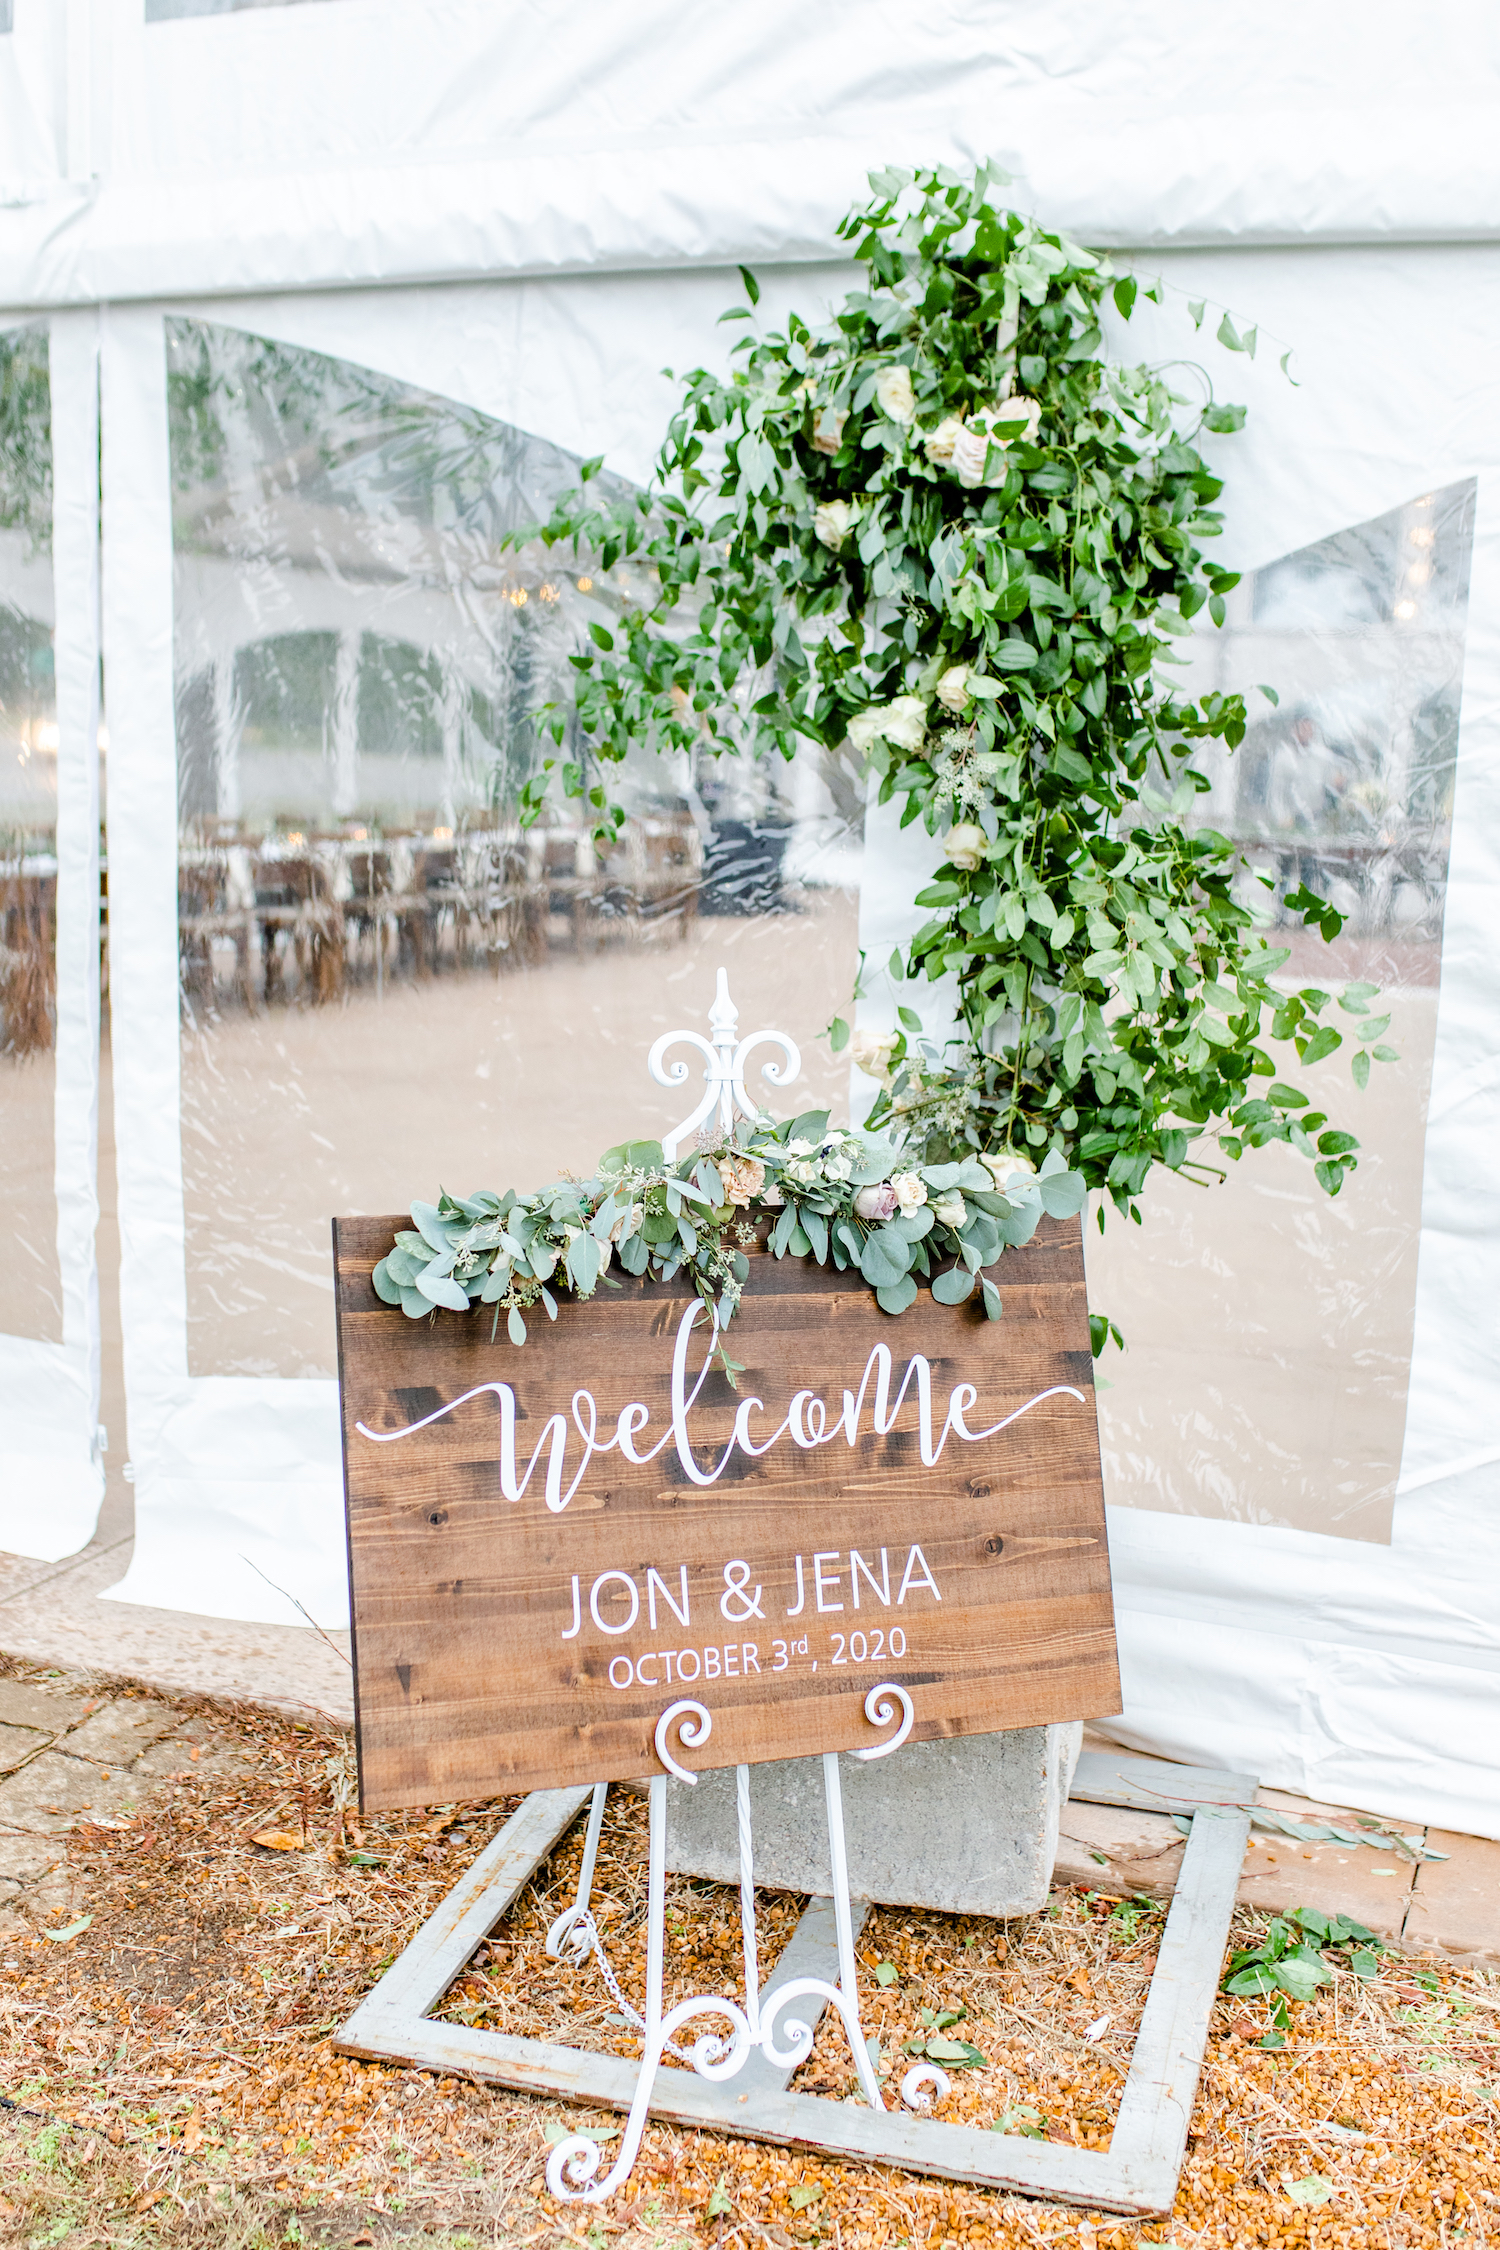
(856, 1201)
(949, 536)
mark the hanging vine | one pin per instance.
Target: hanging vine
(949, 534)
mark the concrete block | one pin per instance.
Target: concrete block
(966, 1825)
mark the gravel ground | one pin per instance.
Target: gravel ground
(170, 1982)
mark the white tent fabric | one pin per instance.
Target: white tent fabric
(529, 215)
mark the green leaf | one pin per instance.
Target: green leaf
(1064, 1194)
(953, 1287)
(1359, 1069)
(910, 1021)
(896, 1296)
(515, 1326)
(388, 1291)
(1300, 1977)
(440, 1289)
(73, 1930)
(1364, 1963)
(599, 637)
(955, 2051)
(1228, 335)
(886, 1973)
(1323, 1042)
(838, 1035)
(1313, 2189)
(885, 1259)
(1124, 293)
(719, 2205)
(802, 2194)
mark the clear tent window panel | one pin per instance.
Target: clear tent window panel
(388, 984)
(30, 1290)
(1241, 1397)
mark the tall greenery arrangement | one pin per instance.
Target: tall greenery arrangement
(949, 532)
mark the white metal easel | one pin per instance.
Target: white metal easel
(1139, 2171)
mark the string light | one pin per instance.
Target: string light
(1406, 609)
(549, 593)
(585, 585)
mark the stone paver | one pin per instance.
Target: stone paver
(101, 1755)
(17, 1745)
(1455, 1902)
(117, 1734)
(46, 1709)
(48, 1796)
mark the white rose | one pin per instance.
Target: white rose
(1008, 1171)
(894, 392)
(837, 1168)
(966, 845)
(939, 443)
(831, 523)
(911, 1192)
(828, 428)
(949, 1209)
(1017, 417)
(903, 722)
(953, 687)
(970, 452)
(871, 1051)
(800, 1148)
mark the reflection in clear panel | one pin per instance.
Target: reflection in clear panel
(30, 1299)
(1269, 1329)
(388, 984)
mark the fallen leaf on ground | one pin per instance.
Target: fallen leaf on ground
(277, 1840)
(73, 1930)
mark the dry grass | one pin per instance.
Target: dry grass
(176, 2085)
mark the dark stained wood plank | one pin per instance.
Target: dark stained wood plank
(769, 1551)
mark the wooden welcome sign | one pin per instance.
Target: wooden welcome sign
(549, 1546)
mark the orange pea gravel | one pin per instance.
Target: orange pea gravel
(169, 2076)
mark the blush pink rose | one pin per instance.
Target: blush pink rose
(876, 1204)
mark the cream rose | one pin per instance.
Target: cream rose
(953, 687)
(939, 443)
(894, 392)
(743, 1177)
(871, 1051)
(828, 428)
(950, 1210)
(966, 845)
(1008, 1170)
(831, 523)
(911, 1192)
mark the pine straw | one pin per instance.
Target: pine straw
(177, 2085)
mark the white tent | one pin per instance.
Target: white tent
(358, 278)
